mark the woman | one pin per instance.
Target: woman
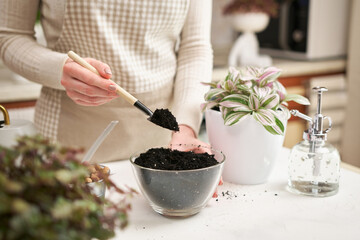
(157, 50)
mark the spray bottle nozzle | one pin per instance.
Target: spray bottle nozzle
(315, 131)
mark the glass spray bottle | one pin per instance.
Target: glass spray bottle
(314, 164)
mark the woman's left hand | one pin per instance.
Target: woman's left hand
(185, 140)
(189, 142)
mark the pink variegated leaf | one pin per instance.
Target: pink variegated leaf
(280, 119)
(254, 102)
(277, 114)
(233, 73)
(203, 106)
(233, 117)
(279, 127)
(211, 84)
(297, 98)
(229, 86)
(278, 86)
(248, 84)
(261, 92)
(270, 101)
(255, 71)
(247, 74)
(270, 85)
(285, 111)
(281, 95)
(275, 127)
(234, 100)
(242, 109)
(245, 87)
(275, 130)
(265, 117)
(208, 105)
(212, 93)
(270, 75)
(224, 111)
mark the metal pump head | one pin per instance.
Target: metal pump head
(316, 130)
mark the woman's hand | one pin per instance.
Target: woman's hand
(85, 87)
(186, 136)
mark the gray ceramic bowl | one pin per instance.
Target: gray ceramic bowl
(178, 193)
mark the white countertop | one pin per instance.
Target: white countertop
(265, 211)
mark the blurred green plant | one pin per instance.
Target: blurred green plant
(43, 195)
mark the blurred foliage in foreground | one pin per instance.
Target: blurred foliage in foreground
(43, 195)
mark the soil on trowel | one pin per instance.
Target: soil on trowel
(165, 119)
(168, 159)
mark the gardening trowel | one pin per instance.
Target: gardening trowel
(161, 117)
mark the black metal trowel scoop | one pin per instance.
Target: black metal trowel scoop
(160, 117)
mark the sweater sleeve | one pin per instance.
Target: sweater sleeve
(195, 60)
(18, 48)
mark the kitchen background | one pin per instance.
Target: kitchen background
(339, 73)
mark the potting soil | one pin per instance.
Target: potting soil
(168, 159)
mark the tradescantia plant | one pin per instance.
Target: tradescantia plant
(252, 91)
(43, 195)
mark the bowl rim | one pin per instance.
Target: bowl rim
(134, 156)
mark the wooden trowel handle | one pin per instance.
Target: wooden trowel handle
(119, 90)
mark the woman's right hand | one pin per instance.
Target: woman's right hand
(85, 87)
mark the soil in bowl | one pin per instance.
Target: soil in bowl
(168, 159)
(176, 183)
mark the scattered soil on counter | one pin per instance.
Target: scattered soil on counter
(168, 159)
(165, 119)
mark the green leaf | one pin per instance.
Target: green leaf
(244, 89)
(208, 105)
(270, 101)
(235, 100)
(44, 195)
(64, 176)
(254, 102)
(62, 209)
(19, 206)
(264, 117)
(212, 93)
(280, 124)
(13, 186)
(271, 130)
(297, 98)
(229, 86)
(211, 84)
(270, 75)
(234, 117)
(277, 128)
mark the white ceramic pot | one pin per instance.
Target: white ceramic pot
(250, 150)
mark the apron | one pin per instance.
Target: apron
(137, 39)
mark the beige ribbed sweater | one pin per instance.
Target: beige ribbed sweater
(137, 38)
